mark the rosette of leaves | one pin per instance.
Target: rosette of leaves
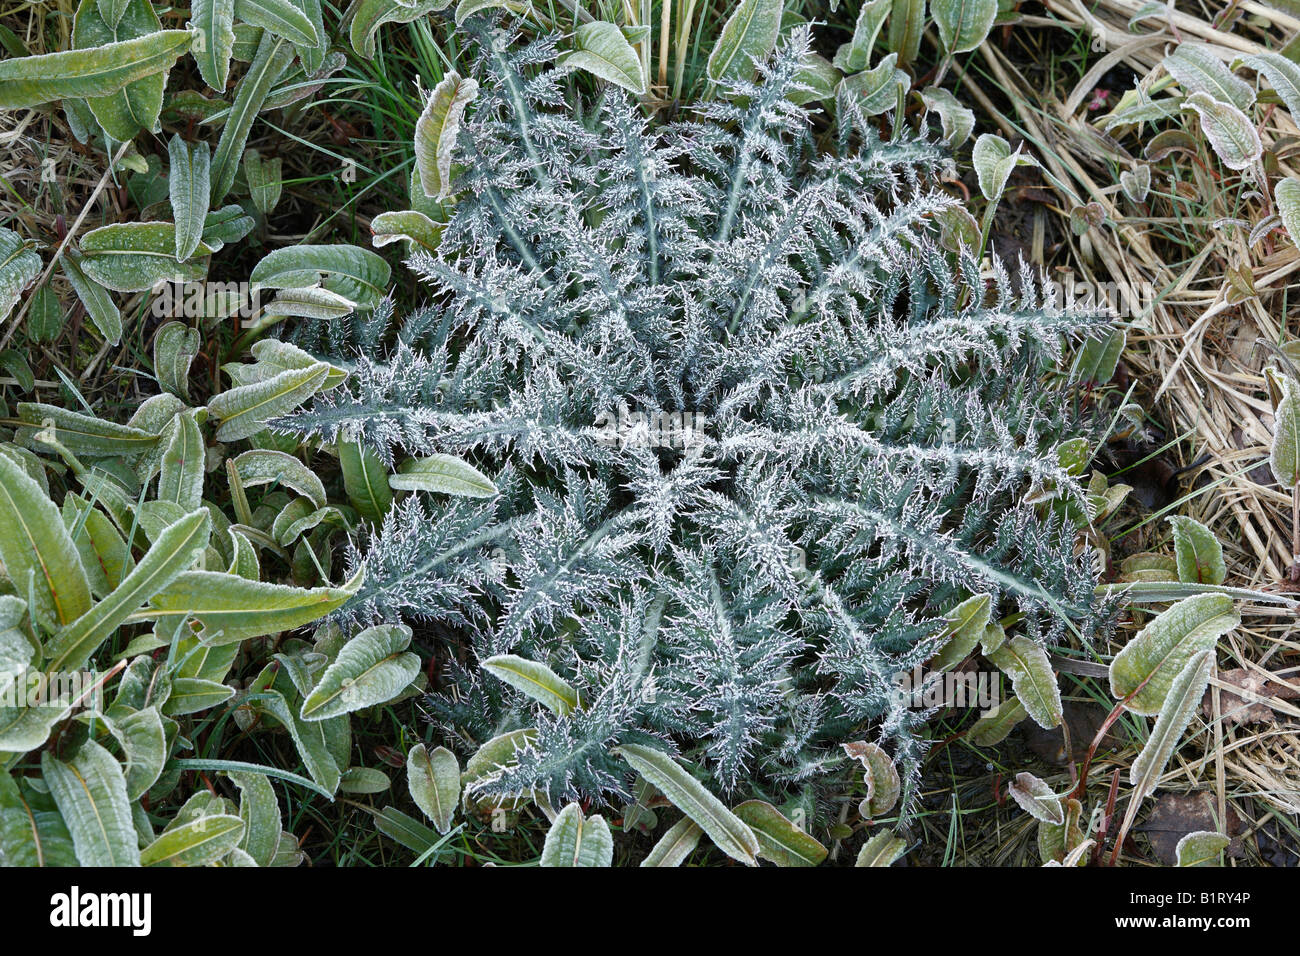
(149, 592)
(752, 432)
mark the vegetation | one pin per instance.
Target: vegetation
(604, 433)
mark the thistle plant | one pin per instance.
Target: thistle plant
(753, 431)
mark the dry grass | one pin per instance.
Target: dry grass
(1194, 357)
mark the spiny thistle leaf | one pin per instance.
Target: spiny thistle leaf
(753, 433)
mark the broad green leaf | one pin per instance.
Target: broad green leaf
(103, 551)
(45, 316)
(26, 728)
(1229, 130)
(993, 161)
(372, 14)
(243, 411)
(90, 791)
(881, 850)
(1286, 194)
(227, 224)
(963, 24)
(875, 91)
(1198, 70)
(602, 50)
(244, 560)
(84, 434)
(637, 816)
(311, 303)
(467, 8)
(1160, 592)
(1181, 702)
(312, 55)
(15, 363)
(536, 680)
(853, 57)
(993, 727)
(136, 256)
(176, 549)
(153, 518)
(1284, 456)
(273, 357)
(351, 271)
(200, 842)
(274, 53)
(214, 41)
(30, 836)
(1036, 798)
(193, 658)
(1202, 848)
(957, 121)
(370, 780)
(407, 224)
(1031, 676)
(966, 623)
(1099, 356)
(820, 78)
(309, 737)
(779, 840)
(19, 267)
(372, 668)
(112, 10)
(365, 480)
(174, 349)
(187, 178)
(181, 479)
(1198, 552)
(232, 609)
(191, 695)
(298, 518)
(731, 834)
(32, 80)
(260, 812)
(406, 830)
(1153, 658)
(264, 467)
(445, 474)
(279, 18)
(1148, 566)
(880, 776)
(1056, 841)
(495, 754)
(103, 313)
(678, 843)
(287, 852)
(16, 649)
(436, 132)
(35, 546)
(906, 25)
(144, 743)
(433, 778)
(136, 106)
(577, 840)
(264, 180)
(747, 38)
(1136, 183)
(1282, 74)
